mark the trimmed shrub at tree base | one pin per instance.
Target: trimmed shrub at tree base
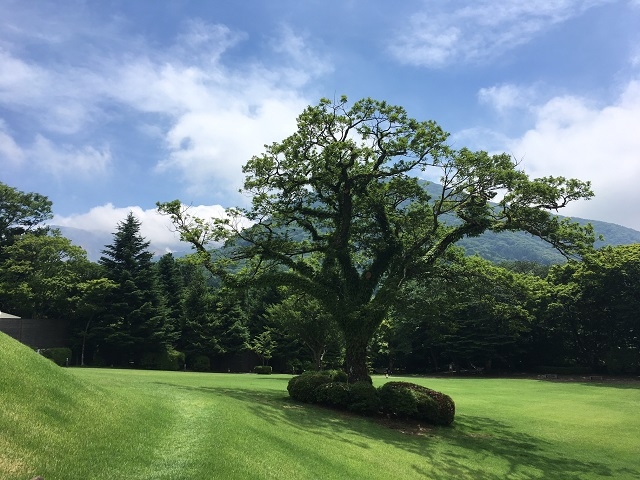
(333, 394)
(363, 398)
(304, 388)
(408, 400)
(263, 369)
(399, 399)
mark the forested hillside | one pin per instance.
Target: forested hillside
(521, 246)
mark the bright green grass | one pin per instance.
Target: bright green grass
(71, 424)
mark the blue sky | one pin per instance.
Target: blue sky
(109, 106)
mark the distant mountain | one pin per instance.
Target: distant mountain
(495, 247)
(92, 242)
(506, 246)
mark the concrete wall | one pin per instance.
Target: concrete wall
(37, 332)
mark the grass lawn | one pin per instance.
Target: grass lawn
(67, 424)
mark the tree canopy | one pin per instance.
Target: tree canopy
(339, 211)
(21, 212)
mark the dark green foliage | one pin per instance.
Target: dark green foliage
(397, 400)
(60, 356)
(137, 322)
(39, 275)
(563, 370)
(446, 407)
(172, 286)
(263, 369)
(303, 318)
(363, 398)
(263, 346)
(337, 375)
(334, 394)
(595, 304)
(408, 400)
(168, 359)
(21, 213)
(201, 363)
(401, 399)
(467, 312)
(304, 388)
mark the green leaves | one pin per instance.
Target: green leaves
(21, 212)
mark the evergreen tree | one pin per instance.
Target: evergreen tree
(172, 286)
(137, 322)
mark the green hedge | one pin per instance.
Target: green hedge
(263, 369)
(333, 394)
(363, 398)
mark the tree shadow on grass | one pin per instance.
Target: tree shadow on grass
(459, 451)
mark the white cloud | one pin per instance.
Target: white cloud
(507, 97)
(219, 117)
(10, 151)
(154, 227)
(478, 29)
(19, 81)
(55, 159)
(574, 138)
(60, 100)
(210, 115)
(205, 42)
(67, 160)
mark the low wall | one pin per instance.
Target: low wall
(37, 332)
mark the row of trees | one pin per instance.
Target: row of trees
(469, 313)
(350, 262)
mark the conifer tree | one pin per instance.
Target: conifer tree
(137, 322)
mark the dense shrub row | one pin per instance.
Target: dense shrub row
(394, 399)
(263, 369)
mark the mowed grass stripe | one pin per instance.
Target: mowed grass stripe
(243, 426)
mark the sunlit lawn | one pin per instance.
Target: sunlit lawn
(114, 424)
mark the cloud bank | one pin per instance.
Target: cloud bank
(576, 137)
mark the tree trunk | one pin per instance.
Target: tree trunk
(356, 356)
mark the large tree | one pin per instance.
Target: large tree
(340, 214)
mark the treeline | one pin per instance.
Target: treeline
(466, 314)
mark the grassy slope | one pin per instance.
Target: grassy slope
(61, 427)
(111, 424)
